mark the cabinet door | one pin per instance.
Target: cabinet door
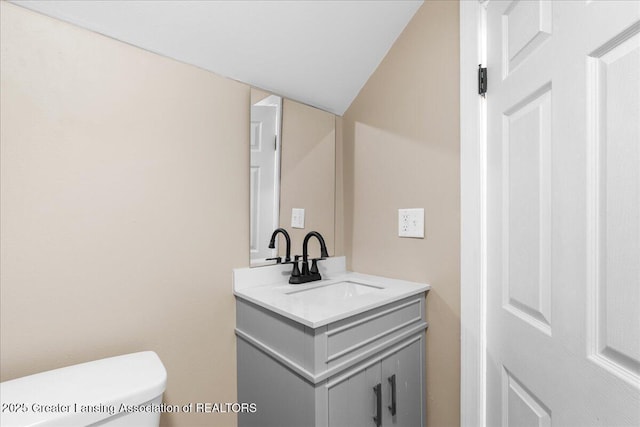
(352, 401)
(407, 364)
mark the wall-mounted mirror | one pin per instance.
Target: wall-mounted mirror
(266, 113)
(292, 167)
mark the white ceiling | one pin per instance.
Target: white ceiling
(317, 52)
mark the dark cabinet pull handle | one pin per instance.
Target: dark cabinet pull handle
(377, 390)
(392, 380)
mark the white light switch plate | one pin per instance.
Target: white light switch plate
(297, 218)
(411, 223)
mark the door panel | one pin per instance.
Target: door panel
(615, 194)
(352, 402)
(526, 25)
(526, 155)
(563, 213)
(522, 408)
(406, 364)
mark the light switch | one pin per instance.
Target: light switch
(297, 218)
(411, 223)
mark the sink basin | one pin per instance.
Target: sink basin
(339, 290)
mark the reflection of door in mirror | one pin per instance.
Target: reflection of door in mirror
(265, 174)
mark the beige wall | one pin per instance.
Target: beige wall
(124, 188)
(401, 150)
(307, 174)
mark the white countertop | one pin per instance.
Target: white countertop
(316, 304)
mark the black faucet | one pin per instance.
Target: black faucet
(272, 245)
(308, 274)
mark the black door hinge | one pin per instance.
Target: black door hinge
(482, 80)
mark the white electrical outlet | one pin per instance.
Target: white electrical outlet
(411, 223)
(297, 218)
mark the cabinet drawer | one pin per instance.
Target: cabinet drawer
(353, 336)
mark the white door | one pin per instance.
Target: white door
(263, 180)
(563, 213)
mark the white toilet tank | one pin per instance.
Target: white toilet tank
(117, 391)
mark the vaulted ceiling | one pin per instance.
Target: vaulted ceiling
(317, 52)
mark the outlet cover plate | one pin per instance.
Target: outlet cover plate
(297, 218)
(411, 223)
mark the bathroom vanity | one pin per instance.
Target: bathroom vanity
(346, 351)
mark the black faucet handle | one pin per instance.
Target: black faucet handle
(296, 270)
(314, 266)
(277, 259)
(305, 267)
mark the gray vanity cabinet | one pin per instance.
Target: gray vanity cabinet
(325, 376)
(353, 398)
